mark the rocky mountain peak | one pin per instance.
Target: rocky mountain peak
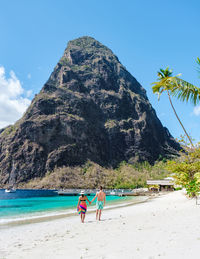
(88, 43)
(91, 108)
(82, 50)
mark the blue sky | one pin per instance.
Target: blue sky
(145, 35)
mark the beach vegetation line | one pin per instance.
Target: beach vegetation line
(125, 176)
(186, 171)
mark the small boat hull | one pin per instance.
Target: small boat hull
(10, 190)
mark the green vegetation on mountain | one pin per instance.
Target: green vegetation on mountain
(90, 175)
(90, 109)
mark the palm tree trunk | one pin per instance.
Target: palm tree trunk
(179, 120)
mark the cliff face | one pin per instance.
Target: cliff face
(91, 108)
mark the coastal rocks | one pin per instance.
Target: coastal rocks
(91, 108)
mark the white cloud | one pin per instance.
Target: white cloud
(12, 102)
(29, 93)
(196, 110)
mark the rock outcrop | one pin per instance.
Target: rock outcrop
(91, 108)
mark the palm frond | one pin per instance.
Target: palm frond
(185, 91)
(162, 85)
(160, 75)
(198, 63)
(163, 73)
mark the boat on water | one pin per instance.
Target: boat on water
(10, 190)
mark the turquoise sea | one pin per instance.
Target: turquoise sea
(27, 204)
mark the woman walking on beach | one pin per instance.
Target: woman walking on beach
(82, 206)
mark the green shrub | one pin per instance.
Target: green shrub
(91, 175)
(186, 171)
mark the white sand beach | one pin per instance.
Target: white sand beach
(164, 227)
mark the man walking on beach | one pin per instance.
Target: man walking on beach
(101, 201)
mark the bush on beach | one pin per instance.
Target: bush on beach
(186, 171)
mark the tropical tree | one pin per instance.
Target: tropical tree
(174, 86)
(186, 171)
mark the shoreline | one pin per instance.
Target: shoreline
(70, 212)
(166, 227)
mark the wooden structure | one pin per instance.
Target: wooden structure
(166, 184)
(198, 198)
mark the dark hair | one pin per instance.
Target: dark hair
(100, 187)
(82, 195)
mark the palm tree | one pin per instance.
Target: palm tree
(175, 86)
(184, 90)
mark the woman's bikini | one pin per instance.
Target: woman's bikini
(83, 200)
